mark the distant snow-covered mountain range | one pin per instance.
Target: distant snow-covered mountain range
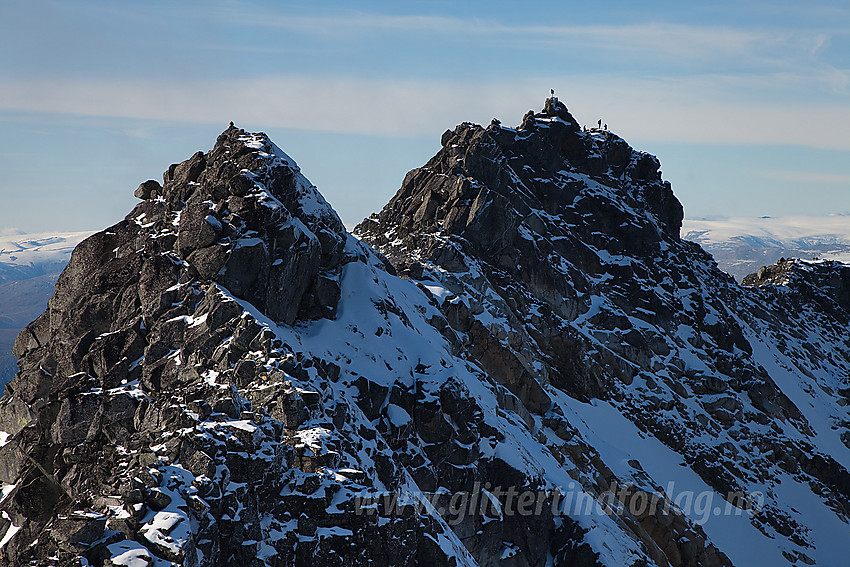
(23, 256)
(741, 245)
(29, 266)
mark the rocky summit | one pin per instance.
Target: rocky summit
(517, 362)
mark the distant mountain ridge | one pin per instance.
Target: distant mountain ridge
(741, 245)
(24, 256)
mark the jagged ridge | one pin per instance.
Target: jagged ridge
(222, 376)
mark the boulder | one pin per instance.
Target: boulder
(150, 189)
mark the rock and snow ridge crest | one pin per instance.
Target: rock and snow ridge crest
(228, 377)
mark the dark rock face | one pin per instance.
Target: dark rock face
(227, 377)
(520, 201)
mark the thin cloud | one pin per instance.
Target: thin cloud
(681, 110)
(661, 39)
(806, 177)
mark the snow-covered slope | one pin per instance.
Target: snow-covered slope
(517, 362)
(741, 245)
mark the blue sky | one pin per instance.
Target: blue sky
(747, 104)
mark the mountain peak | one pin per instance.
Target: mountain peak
(495, 186)
(247, 218)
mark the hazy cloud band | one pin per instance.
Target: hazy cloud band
(696, 110)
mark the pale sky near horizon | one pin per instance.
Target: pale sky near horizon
(747, 104)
